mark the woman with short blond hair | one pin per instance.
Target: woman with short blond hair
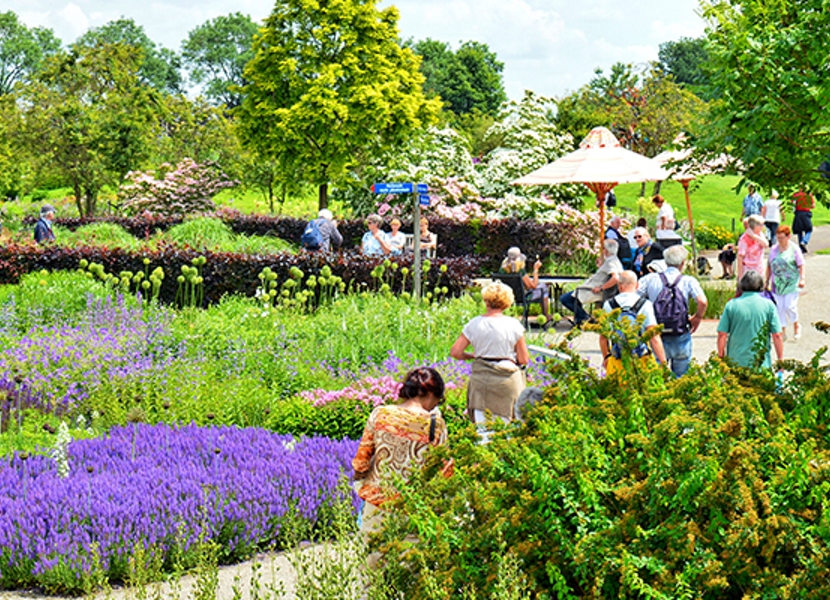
(499, 356)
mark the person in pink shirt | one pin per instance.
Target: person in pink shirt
(751, 247)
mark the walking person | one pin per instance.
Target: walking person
(751, 246)
(43, 227)
(671, 292)
(773, 214)
(499, 356)
(665, 227)
(785, 279)
(805, 203)
(395, 441)
(753, 203)
(744, 319)
(321, 234)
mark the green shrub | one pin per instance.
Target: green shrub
(98, 234)
(709, 486)
(714, 236)
(202, 233)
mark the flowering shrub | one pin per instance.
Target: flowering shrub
(714, 236)
(188, 188)
(164, 488)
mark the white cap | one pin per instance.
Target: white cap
(325, 214)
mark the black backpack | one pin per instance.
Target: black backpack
(629, 314)
(312, 238)
(672, 308)
(623, 250)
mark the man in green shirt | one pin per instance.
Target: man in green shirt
(743, 319)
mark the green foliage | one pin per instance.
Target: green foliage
(709, 486)
(101, 234)
(645, 109)
(683, 59)
(467, 80)
(767, 72)
(159, 67)
(714, 236)
(216, 53)
(22, 50)
(89, 117)
(330, 86)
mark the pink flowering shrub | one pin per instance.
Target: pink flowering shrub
(371, 391)
(186, 189)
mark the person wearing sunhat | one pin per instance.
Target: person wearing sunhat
(43, 227)
(516, 263)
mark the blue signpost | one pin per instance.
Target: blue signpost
(420, 193)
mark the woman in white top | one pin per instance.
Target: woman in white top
(499, 358)
(397, 239)
(773, 214)
(664, 229)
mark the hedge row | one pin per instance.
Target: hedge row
(229, 273)
(488, 239)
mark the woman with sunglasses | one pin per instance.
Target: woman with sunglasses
(646, 251)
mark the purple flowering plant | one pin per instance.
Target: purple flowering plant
(164, 487)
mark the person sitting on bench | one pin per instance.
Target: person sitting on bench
(515, 263)
(595, 288)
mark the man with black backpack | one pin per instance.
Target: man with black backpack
(631, 305)
(670, 293)
(321, 233)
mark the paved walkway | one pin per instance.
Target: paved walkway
(813, 305)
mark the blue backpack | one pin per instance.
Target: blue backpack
(630, 315)
(312, 238)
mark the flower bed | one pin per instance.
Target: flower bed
(166, 488)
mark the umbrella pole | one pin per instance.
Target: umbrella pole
(685, 183)
(601, 202)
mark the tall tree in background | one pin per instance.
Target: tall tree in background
(330, 86)
(22, 50)
(467, 80)
(159, 66)
(216, 53)
(645, 111)
(684, 60)
(769, 74)
(88, 116)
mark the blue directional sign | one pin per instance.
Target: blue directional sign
(424, 200)
(423, 188)
(392, 188)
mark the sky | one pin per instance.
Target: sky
(549, 46)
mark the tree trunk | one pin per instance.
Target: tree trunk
(657, 185)
(90, 200)
(271, 194)
(324, 196)
(643, 189)
(76, 189)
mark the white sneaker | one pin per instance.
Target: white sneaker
(797, 336)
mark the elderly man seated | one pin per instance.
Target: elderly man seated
(603, 282)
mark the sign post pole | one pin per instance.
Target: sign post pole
(416, 237)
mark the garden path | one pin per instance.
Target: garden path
(813, 306)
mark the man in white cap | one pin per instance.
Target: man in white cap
(328, 233)
(43, 227)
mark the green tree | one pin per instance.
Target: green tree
(216, 53)
(683, 59)
(330, 87)
(89, 118)
(645, 110)
(467, 80)
(22, 50)
(768, 72)
(159, 66)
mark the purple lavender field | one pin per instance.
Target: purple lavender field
(163, 487)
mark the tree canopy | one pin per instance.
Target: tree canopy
(330, 86)
(88, 117)
(22, 50)
(645, 110)
(216, 53)
(768, 72)
(684, 60)
(467, 80)
(159, 66)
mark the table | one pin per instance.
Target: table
(556, 284)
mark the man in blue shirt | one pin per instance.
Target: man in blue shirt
(753, 203)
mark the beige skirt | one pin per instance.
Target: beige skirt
(494, 386)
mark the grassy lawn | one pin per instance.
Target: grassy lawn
(713, 198)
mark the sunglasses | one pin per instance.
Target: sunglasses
(638, 237)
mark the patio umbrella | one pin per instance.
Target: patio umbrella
(600, 163)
